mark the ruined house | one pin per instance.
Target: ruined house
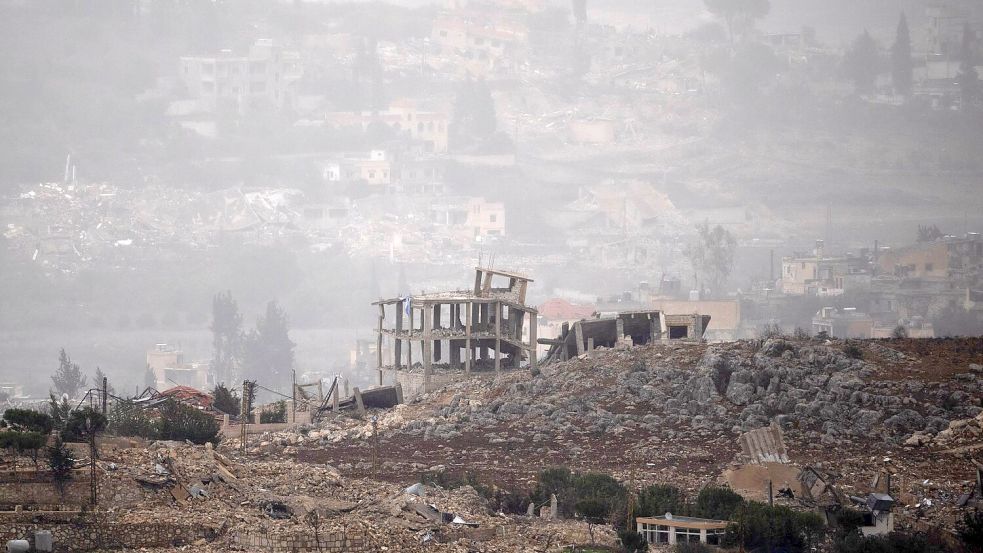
(451, 334)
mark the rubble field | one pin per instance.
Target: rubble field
(667, 413)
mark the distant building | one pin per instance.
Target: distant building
(263, 76)
(843, 323)
(725, 321)
(427, 127)
(472, 218)
(375, 168)
(170, 369)
(948, 258)
(819, 275)
(672, 529)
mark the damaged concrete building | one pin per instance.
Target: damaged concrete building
(452, 334)
(633, 328)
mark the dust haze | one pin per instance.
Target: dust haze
(324, 155)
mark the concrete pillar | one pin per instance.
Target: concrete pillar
(533, 346)
(358, 401)
(334, 394)
(427, 349)
(398, 347)
(498, 336)
(620, 331)
(378, 345)
(468, 352)
(554, 508)
(579, 333)
(590, 348)
(437, 308)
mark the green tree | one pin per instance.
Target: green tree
(592, 511)
(861, 63)
(61, 463)
(760, 526)
(128, 419)
(226, 337)
(717, 503)
(712, 257)
(97, 382)
(182, 422)
(59, 410)
(68, 379)
(226, 400)
(29, 420)
(902, 68)
(269, 351)
(738, 14)
(277, 414)
(659, 499)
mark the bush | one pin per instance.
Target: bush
(970, 531)
(182, 422)
(226, 400)
(761, 526)
(853, 351)
(83, 424)
(128, 419)
(717, 503)
(61, 463)
(632, 542)
(29, 420)
(276, 415)
(895, 542)
(571, 488)
(688, 547)
(659, 499)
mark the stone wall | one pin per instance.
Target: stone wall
(40, 489)
(412, 382)
(330, 542)
(81, 535)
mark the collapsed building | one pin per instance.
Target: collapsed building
(631, 328)
(428, 340)
(488, 327)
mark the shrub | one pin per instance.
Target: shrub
(29, 420)
(659, 499)
(128, 419)
(895, 542)
(61, 463)
(182, 422)
(571, 488)
(853, 351)
(717, 503)
(691, 547)
(276, 415)
(226, 400)
(83, 423)
(632, 542)
(970, 531)
(761, 526)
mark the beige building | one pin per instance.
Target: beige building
(471, 218)
(427, 127)
(263, 76)
(170, 369)
(725, 315)
(670, 529)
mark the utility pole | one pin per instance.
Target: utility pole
(375, 442)
(247, 400)
(293, 393)
(105, 393)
